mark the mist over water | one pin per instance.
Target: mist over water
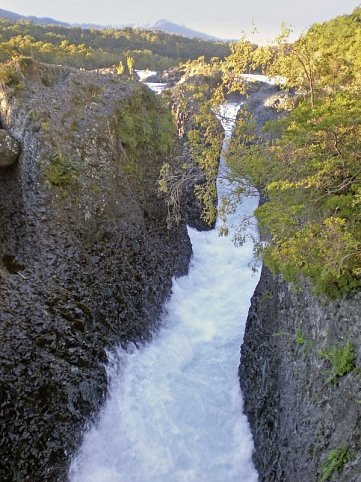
(174, 409)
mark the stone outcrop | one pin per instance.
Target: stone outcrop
(9, 149)
(86, 259)
(299, 411)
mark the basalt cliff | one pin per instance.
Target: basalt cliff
(86, 255)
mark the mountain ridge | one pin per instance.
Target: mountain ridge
(162, 25)
(39, 20)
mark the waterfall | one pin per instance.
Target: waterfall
(174, 408)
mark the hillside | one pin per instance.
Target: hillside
(161, 25)
(94, 48)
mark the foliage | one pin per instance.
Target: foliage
(8, 75)
(308, 163)
(240, 61)
(300, 337)
(327, 56)
(203, 141)
(335, 462)
(146, 130)
(120, 68)
(62, 170)
(130, 65)
(342, 359)
(12, 71)
(93, 48)
(312, 178)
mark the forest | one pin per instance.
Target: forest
(308, 162)
(93, 48)
(310, 166)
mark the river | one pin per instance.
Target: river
(174, 408)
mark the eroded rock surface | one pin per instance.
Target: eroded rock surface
(86, 260)
(297, 410)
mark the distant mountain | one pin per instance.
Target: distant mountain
(42, 21)
(174, 28)
(10, 15)
(162, 25)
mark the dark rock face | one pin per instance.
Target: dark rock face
(83, 266)
(9, 149)
(297, 417)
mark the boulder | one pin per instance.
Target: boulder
(9, 149)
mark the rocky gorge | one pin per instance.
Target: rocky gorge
(86, 256)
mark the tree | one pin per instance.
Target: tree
(130, 65)
(120, 68)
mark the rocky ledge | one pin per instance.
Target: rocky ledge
(9, 149)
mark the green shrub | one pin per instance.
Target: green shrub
(342, 359)
(12, 72)
(312, 216)
(9, 76)
(300, 337)
(336, 459)
(145, 127)
(62, 170)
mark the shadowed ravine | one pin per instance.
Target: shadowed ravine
(174, 409)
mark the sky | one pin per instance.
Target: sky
(227, 19)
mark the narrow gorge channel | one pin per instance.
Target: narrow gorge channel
(174, 409)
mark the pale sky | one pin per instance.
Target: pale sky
(222, 18)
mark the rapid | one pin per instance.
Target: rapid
(174, 407)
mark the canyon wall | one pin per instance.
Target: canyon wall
(86, 256)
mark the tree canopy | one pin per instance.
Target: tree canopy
(94, 48)
(310, 167)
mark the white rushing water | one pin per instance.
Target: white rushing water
(144, 74)
(174, 409)
(157, 87)
(263, 78)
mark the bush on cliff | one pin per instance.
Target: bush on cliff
(308, 164)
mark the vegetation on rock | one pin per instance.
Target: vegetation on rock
(146, 130)
(202, 136)
(61, 170)
(342, 359)
(307, 163)
(335, 462)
